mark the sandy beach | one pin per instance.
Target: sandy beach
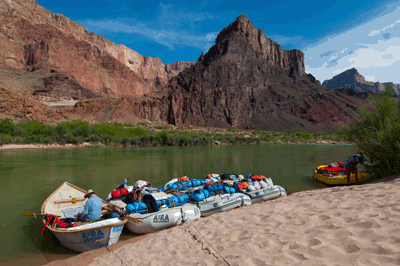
(6, 147)
(356, 225)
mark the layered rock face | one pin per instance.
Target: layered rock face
(352, 79)
(244, 81)
(248, 81)
(27, 106)
(33, 38)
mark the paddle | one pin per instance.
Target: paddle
(37, 214)
(113, 207)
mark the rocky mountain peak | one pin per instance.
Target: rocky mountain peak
(241, 26)
(351, 78)
(292, 61)
(344, 79)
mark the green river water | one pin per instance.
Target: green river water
(28, 177)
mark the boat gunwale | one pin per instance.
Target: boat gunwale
(65, 230)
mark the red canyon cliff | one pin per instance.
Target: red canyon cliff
(32, 38)
(245, 80)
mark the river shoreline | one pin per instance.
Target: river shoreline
(7, 147)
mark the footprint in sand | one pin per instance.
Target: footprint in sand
(324, 217)
(368, 225)
(352, 248)
(314, 242)
(297, 255)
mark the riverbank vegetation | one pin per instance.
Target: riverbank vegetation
(377, 134)
(143, 134)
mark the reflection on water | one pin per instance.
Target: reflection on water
(29, 177)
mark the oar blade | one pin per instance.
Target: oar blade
(28, 214)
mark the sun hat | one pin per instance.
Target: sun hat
(88, 193)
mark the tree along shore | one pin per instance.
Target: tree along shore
(83, 134)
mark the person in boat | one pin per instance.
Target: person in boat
(92, 209)
(350, 166)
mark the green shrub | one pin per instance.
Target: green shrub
(94, 138)
(377, 134)
(5, 139)
(7, 126)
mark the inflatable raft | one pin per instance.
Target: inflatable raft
(221, 203)
(160, 211)
(258, 188)
(335, 175)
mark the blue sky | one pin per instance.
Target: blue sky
(334, 35)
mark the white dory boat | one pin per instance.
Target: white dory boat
(64, 202)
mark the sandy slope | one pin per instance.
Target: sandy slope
(357, 225)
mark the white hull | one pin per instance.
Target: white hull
(264, 194)
(100, 234)
(86, 236)
(223, 202)
(162, 219)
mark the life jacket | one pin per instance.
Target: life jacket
(242, 185)
(62, 224)
(256, 177)
(185, 178)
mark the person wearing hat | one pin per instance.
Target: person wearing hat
(350, 166)
(92, 209)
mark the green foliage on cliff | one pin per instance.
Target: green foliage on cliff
(377, 134)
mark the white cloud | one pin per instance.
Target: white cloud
(170, 37)
(376, 32)
(375, 53)
(174, 27)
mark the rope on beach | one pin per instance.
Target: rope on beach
(118, 257)
(227, 263)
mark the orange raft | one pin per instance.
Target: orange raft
(335, 178)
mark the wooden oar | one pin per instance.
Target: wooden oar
(73, 200)
(113, 208)
(37, 214)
